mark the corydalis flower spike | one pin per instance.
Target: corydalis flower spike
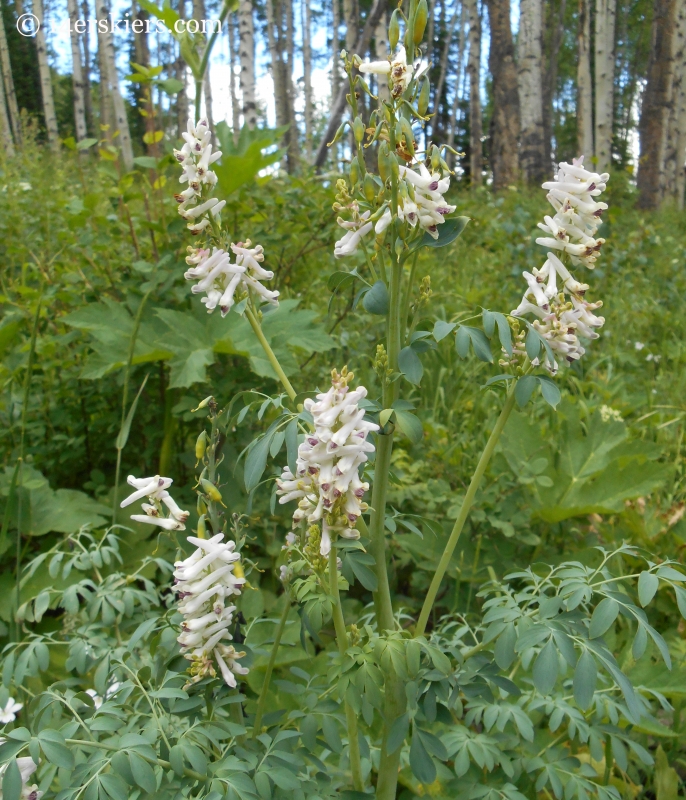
(204, 581)
(327, 483)
(554, 296)
(161, 509)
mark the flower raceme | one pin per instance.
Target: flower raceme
(155, 489)
(204, 581)
(553, 295)
(326, 481)
(397, 68)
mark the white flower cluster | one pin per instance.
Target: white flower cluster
(553, 295)
(196, 157)
(27, 766)
(397, 68)
(219, 279)
(155, 489)
(203, 582)
(420, 202)
(327, 482)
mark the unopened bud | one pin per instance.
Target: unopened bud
(424, 96)
(369, 188)
(211, 491)
(420, 18)
(394, 30)
(201, 445)
(203, 403)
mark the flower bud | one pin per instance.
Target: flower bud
(394, 30)
(358, 130)
(424, 96)
(211, 491)
(420, 18)
(201, 445)
(369, 188)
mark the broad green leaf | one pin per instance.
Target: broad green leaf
(546, 667)
(256, 462)
(648, 584)
(410, 425)
(603, 617)
(524, 388)
(421, 763)
(11, 781)
(53, 746)
(585, 677)
(549, 390)
(442, 329)
(376, 300)
(448, 231)
(142, 772)
(241, 164)
(410, 365)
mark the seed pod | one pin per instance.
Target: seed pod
(394, 30)
(413, 652)
(354, 172)
(384, 162)
(203, 404)
(424, 96)
(202, 527)
(202, 508)
(211, 491)
(420, 17)
(201, 445)
(358, 130)
(435, 158)
(369, 188)
(238, 570)
(407, 134)
(339, 133)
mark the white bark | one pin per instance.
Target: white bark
(532, 151)
(45, 80)
(584, 106)
(9, 93)
(604, 81)
(121, 122)
(235, 107)
(307, 74)
(246, 51)
(77, 74)
(350, 10)
(676, 124)
(458, 14)
(381, 51)
(452, 125)
(474, 73)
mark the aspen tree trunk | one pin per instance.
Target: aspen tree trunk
(532, 150)
(45, 80)
(550, 78)
(307, 74)
(335, 47)
(5, 129)
(604, 81)
(293, 144)
(106, 117)
(351, 14)
(504, 133)
(87, 98)
(235, 108)
(458, 93)
(584, 105)
(181, 74)
(199, 15)
(280, 75)
(431, 32)
(474, 73)
(381, 53)
(458, 14)
(77, 74)
(121, 122)
(674, 155)
(246, 50)
(655, 106)
(8, 81)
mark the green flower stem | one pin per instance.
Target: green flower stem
(125, 396)
(382, 596)
(342, 641)
(273, 360)
(270, 666)
(464, 511)
(389, 763)
(213, 505)
(408, 297)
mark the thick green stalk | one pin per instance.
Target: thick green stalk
(382, 596)
(213, 505)
(389, 763)
(270, 666)
(342, 641)
(273, 360)
(464, 511)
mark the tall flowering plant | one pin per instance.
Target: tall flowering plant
(520, 701)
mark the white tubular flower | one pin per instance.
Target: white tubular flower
(553, 295)
(397, 68)
(429, 207)
(155, 489)
(27, 766)
(196, 157)
(356, 228)
(327, 483)
(10, 711)
(220, 279)
(203, 582)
